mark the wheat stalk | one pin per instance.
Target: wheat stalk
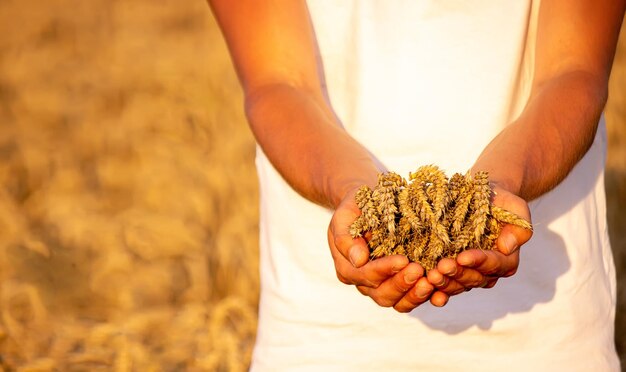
(430, 217)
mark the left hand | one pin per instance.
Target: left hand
(477, 268)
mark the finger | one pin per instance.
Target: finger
(436, 278)
(415, 296)
(467, 277)
(444, 283)
(379, 270)
(439, 299)
(511, 238)
(449, 267)
(345, 271)
(389, 292)
(492, 263)
(372, 274)
(452, 278)
(491, 282)
(354, 250)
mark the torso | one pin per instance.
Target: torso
(420, 82)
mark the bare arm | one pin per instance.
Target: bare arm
(275, 54)
(576, 43)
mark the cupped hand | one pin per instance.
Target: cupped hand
(390, 281)
(477, 268)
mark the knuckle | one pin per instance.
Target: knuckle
(459, 272)
(402, 309)
(342, 278)
(473, 280)
(510, 273)
(469, 281)
(343, 273)
(376, 299)
(458, 290)
(400, 286)
(382, 301)
(489, 270)
(338, 241)
(374, 284)
(362, 290)
(386, 302)
(492, 283)
(413, 300)
(447, 287)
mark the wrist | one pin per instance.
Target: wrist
(347, 187)
(505, 184)
(501, 180)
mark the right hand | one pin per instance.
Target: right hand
(390, 281)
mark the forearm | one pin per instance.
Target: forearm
(275, 53)
(301, 136)
(537, 151)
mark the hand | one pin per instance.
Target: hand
(389, 281)
(476, 268)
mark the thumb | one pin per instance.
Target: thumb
(354, 250)
(512, 238)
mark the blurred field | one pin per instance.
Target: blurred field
(128, 203)
(128, 200)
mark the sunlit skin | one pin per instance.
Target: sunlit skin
(273, 47)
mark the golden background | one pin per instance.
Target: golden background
(128, 195)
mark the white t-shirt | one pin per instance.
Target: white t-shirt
(432, 82)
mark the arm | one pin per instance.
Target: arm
(576, 42)
(274, 52)
(275, 55)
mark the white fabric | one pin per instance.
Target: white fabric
(420, 82)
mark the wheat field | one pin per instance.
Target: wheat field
(128, 195)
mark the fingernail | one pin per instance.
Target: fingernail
(442, 282)
(354, 256)
(422, 292)
(451, 272)
(466, 260)
(446, 301)
(411, 278)
(510, 242)
(398, 266)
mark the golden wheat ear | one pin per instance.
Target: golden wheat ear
(505, 216)
(430, 216)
